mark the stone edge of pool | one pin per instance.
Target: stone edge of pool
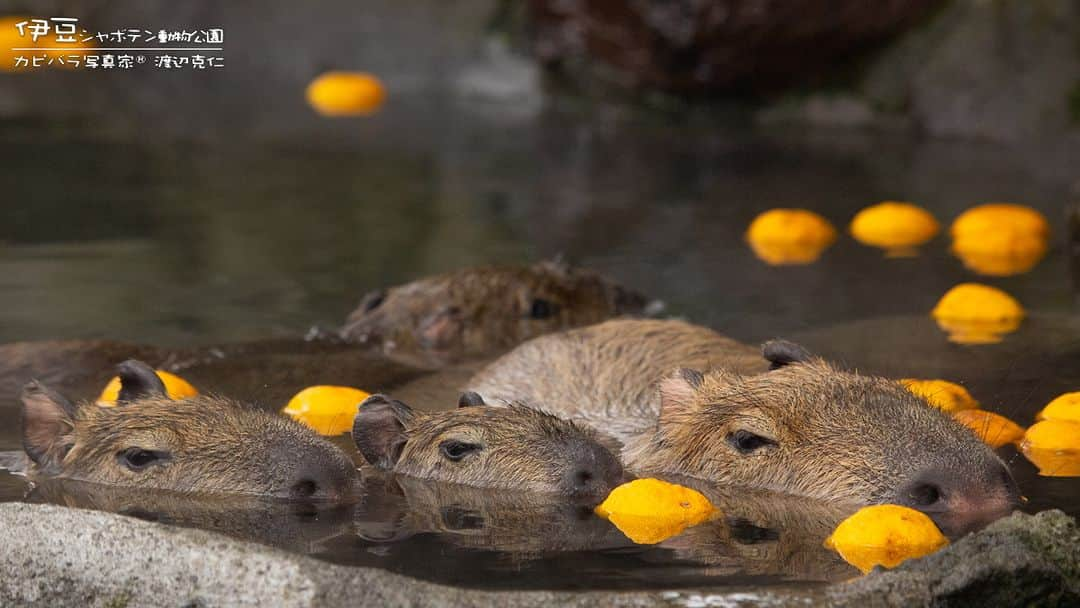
(54, 556)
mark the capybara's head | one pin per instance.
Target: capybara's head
(480, 311)
(809, 428)
(513, 447)
(199, 445)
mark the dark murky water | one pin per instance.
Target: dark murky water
(179, 245)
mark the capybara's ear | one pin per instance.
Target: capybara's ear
(470, 399)
(48, 427)
(379, 430)
(781, 352)
(138, 381)
(677, 392)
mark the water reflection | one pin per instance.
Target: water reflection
(1001, 262)
(300, 527)
(522, 524)
(459, 534)
(1054, 447)
(1053, 462)
(764, 534)
(539, 541)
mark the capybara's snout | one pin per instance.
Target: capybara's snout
(592, 471)
(326, 476)
(962, 501)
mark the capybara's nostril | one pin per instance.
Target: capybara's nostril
(583, 482)
(925, 494)
(305, 488)
(583, 478)
(593, 472)
(930, 492)
(960, 502)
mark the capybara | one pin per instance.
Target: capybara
(396, 335)
(511, 447)
(477, 312)
(804, 426)
(200, 445)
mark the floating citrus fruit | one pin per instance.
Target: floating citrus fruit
(1054, 447)
(790, 236)
(346, 94)
(972, 313)
(1063, 407)
(1000, 239)
(329, 410)
(942, 394)
(994, 429)
(648, 511)
(894, 226)
(175, 386)
(885, 535)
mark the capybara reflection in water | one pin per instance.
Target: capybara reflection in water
(787, 422)
(199, 445)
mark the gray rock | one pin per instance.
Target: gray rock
(1022, 560)
(54, 556)
(1007, 70)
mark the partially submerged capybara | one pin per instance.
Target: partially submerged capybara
(516, 448)
(804, 427)
(475, 312)
(396, 335)
(199, 445)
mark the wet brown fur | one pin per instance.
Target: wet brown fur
(838, 435)
(522, 449)
(606, 374)
(215, 446)
(477, 312)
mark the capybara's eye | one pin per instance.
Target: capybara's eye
(373, 300)
(542, 309)
(455, 450)
(138, 459)
(747, 442)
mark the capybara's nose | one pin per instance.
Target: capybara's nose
(960, 503)
(593, 471)
(332, 479)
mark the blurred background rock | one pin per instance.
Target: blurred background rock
(996, 69)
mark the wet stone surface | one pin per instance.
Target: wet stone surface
(69, 556)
